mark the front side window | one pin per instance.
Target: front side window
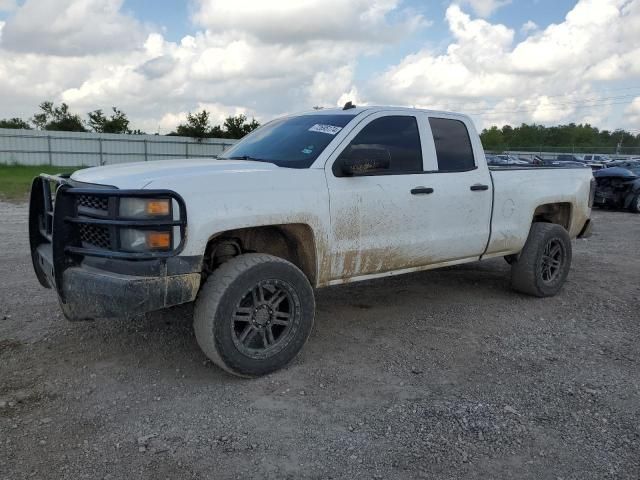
(453, 145)
(294, 142)
(392, 144)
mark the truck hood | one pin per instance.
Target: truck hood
(141, 174)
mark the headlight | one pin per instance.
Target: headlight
(144, 207)
(134, 240)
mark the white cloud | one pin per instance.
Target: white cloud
(76, 27)
(250, 56)
(528, 27)
(484, 8)
(545, 78)
(584, 36)
(633, 110)
(8, 5)
(268, 58)
(329, 86)
(281, 66)
(287, 21)
(469, 68)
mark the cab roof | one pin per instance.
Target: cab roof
(377, 108)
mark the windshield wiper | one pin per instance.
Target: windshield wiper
(247, 157)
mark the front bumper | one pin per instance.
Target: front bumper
(89, 292)
(95, 280)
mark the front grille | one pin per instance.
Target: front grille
(95, 235)
(94, 202)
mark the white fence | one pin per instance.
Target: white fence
(33, 147)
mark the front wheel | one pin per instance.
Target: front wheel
(254, 314)
(544, 263)
(635, 204)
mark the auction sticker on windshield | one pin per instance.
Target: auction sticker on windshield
(321, 128)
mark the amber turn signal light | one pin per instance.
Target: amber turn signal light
(159, 240)
(158, 207)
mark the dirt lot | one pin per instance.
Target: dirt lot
(443, 374)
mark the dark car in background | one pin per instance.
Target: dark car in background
(619, 186)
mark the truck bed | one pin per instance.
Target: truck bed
(514, 212)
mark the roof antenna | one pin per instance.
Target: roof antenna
(348, 106)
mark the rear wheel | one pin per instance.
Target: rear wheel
(544, 263)
(635, 204)
(254, 314)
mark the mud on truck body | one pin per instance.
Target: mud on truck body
(306, 201)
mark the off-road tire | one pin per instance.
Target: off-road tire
(527, 273)
(634, 206)
(217, 302)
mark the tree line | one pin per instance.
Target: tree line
(199, 126)
(60, 118)
(537, 137)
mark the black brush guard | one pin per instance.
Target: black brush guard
(56, 228)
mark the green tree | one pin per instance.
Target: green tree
(116, 123)
(238, 127)
(581, 138)
(197, 126)
(492, 139)
(15, 122)
(57, 118)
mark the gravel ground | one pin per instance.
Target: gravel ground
(442, 374)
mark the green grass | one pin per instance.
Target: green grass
(15, 180)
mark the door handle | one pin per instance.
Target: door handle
(479, 188)
(421, 191)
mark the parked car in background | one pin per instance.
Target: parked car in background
(511, 160)
(619, 186)
(597, 158)
(545, 162)
(566, 157)
(491, 159)
(569, 157)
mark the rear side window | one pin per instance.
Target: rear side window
(396, 137)
(453, 145)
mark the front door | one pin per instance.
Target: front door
(380, 217)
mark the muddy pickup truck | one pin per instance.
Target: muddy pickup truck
(310, 200)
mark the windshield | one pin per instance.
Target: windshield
(293, 142)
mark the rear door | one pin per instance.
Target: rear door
(460, 206)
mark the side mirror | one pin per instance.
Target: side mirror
(360, 161)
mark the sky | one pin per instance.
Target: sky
(500, 61)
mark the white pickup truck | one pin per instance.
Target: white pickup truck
(321, 198)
